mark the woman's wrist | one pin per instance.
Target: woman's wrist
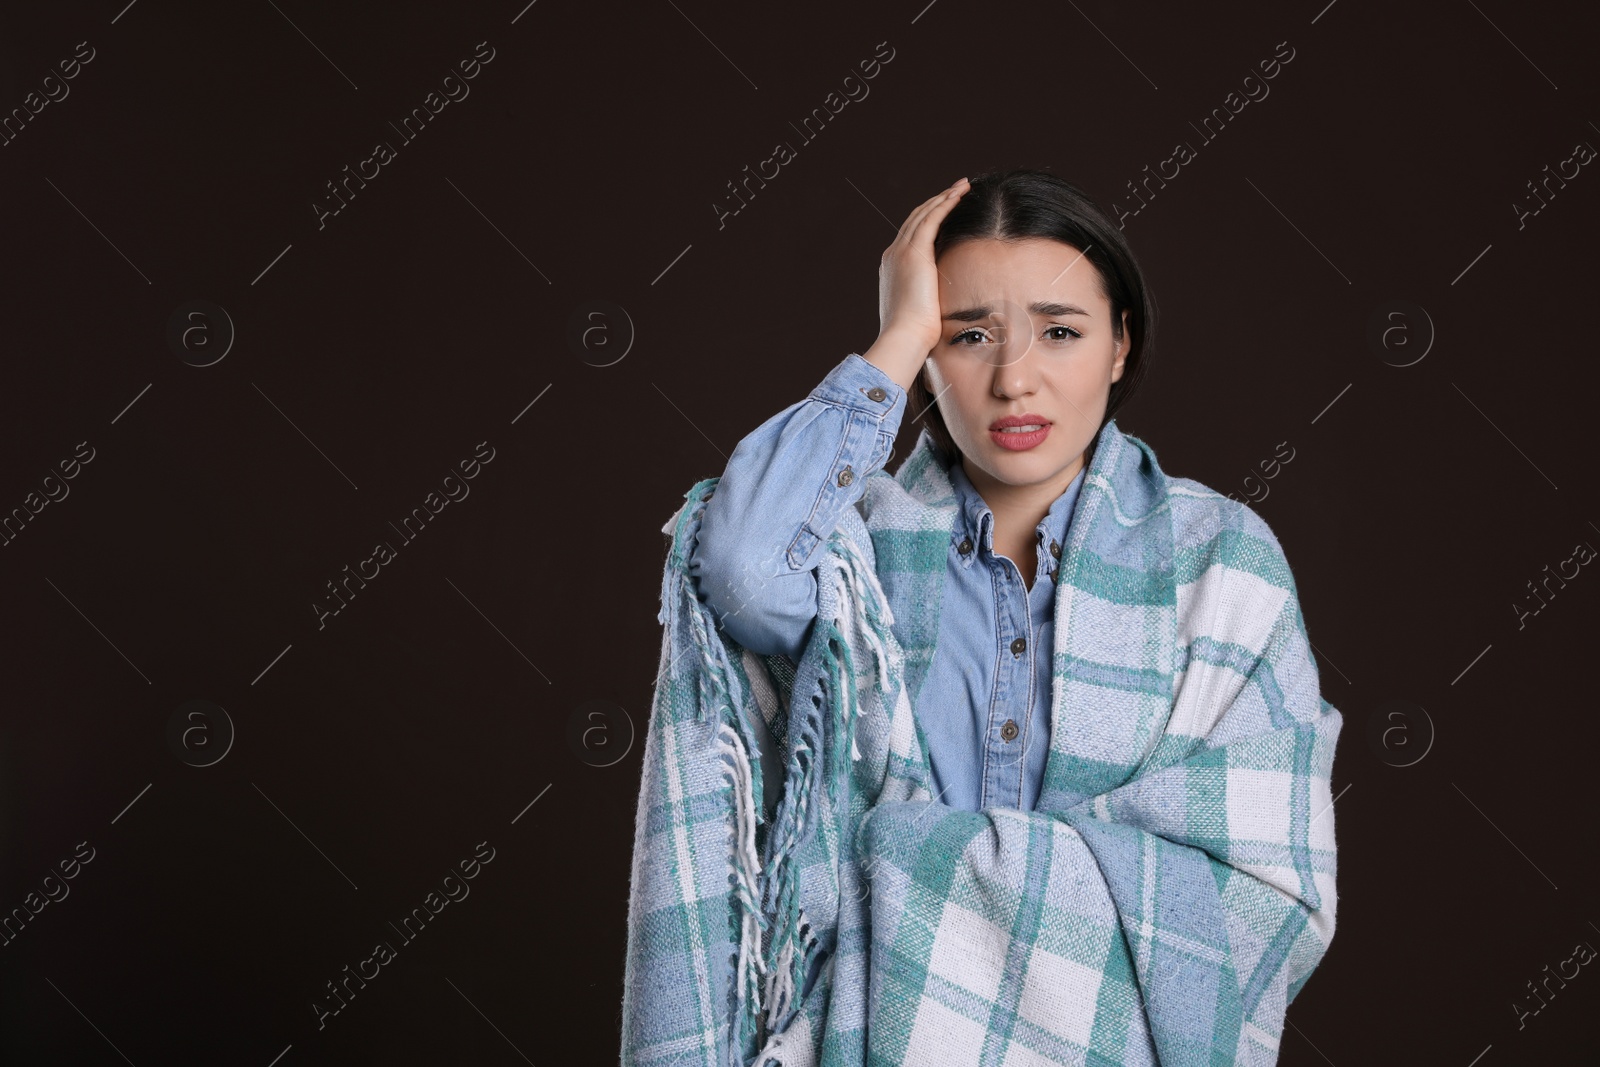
(899, 355)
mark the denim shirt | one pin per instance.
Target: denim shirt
(985, 705)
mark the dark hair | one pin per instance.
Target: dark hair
(1023, 203)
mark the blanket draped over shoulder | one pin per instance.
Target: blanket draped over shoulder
(800, 896)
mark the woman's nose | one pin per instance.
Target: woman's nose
(1016, 377)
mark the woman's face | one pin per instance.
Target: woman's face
(1026, 332)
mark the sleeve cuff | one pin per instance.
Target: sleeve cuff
(860, 386)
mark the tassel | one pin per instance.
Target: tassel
(746, 867)
(857, 611)
(719, 696)
(714, 678)
(791, 959)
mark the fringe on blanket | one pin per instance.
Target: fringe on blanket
(855, 608)
(775, 943)
(721, 700)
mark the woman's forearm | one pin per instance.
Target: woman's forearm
(781, 496)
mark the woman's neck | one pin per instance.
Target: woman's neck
(1018, 509)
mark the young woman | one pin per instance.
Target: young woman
(1015, 323)
(1016, 755)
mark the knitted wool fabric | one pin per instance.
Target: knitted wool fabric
(800, 897)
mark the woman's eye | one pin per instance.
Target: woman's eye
(1066, 333)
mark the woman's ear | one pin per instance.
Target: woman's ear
(1124, 346)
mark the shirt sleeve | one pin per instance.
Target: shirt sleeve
(781, 496)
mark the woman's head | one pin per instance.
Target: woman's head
(1044, 313)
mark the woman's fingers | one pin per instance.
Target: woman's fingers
(925, 225)
(920, 213)
(908, 287)
(928, 226)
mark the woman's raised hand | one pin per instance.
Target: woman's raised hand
(908, 291)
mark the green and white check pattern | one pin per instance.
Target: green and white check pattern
(800, 897)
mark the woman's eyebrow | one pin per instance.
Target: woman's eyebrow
(1038, 307)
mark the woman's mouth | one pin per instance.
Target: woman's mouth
(1018, 433)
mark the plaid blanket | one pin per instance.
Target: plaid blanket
(799, 896)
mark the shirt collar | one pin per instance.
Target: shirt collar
(975, 519)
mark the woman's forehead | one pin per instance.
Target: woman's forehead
(1039, 275)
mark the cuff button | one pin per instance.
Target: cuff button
(877, 393)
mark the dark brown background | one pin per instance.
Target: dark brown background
(379, 350)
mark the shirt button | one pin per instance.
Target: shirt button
(1009, 730)
(846, 476)
(965, 546)
(1018, 645)
(1055, 549)
(876, 393)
